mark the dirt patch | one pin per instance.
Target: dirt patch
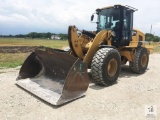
(17, 49)
(125, 100)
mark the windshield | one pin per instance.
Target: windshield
(109, 19)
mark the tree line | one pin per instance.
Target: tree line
(150, 37)
(35, 35)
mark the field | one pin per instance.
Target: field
(12, 60)
(156, 47)
(32, 42)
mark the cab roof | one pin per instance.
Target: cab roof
(126, 6)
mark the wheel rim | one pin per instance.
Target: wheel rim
(144, 60)
(112, 67)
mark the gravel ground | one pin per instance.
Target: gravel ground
(125, 100)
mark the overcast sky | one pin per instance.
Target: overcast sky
(24, 16)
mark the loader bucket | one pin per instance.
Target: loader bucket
(54, 76)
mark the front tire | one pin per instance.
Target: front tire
(105, 66)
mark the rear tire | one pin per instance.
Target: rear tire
(141, 59)
(105, 66)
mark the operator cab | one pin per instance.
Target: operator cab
(119, 19)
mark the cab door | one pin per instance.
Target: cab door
(127, 27)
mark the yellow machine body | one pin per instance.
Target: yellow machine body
(85, 47)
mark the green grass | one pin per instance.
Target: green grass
(10, 60)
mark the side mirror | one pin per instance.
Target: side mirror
(92, 17)
(113, 33)
(134, 33)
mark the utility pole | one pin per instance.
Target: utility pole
(151, 30)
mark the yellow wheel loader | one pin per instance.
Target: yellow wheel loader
(58, 76)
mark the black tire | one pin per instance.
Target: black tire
(141, 59)
(105, 66)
